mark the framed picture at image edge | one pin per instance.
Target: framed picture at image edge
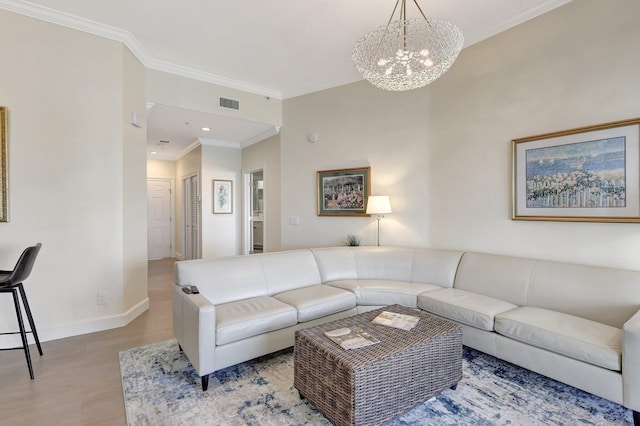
(343, 192)
(589, 174)
(222, 196)
(4, 187)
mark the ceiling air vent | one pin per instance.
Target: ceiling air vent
(229, 103)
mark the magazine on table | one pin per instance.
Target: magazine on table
(393, 319)
(351, 337)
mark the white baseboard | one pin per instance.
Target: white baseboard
(100, 324)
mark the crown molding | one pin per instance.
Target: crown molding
(221, 144)
(194, 74)
(88, 26)
(271, 131)
(321, 86)
(540, 9)
(70, 21)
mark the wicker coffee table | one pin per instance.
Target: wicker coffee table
(372, 385)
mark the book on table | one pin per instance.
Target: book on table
(351, 337)
(394, 319)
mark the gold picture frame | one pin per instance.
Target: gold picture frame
(588, 174)
(343, 192)
(4, 173)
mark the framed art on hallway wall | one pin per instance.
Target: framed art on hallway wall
(343, 192)
(222, 196)
(589, 174)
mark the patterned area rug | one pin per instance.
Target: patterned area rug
(161, 388)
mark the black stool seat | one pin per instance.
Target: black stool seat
(11, 282)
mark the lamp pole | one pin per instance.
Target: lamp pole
(378, 205)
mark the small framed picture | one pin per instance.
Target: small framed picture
(222, 196)
(343, 192)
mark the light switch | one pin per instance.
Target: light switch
(294, 220)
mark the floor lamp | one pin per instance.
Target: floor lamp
(379, 205)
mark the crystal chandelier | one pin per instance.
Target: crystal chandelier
(407, 53)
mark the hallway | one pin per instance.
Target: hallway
(77, 380)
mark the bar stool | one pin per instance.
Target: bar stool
(11, 282)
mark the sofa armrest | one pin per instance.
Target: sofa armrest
(194, 326)
(630, 365)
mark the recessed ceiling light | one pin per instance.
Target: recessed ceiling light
(206, 129)
(153, 153)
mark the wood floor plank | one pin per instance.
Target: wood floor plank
(78, 378)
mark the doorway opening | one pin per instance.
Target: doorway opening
(160, 213)
(254, 212)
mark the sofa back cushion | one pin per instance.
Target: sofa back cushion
(500, 277)
(227, 279)
(289, 270)
(335, 263)
(224, 279)
(364, 263)
(425, 266)
(432, 266)
(608, 296)
(383, 263)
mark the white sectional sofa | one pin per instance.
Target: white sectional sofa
(574, 323)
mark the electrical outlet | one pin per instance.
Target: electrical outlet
(102, 298)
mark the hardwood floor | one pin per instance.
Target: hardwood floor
(77, 381)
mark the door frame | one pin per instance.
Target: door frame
(172, 200)
(247, 211)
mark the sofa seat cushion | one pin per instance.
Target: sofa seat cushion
(385, 292)
(464, 307)
(250, 317)
(317, 301)
(579, 338)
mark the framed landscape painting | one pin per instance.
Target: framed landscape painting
(222, 196)
(589, 174)
(343, 192)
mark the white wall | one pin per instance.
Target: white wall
(161, 169)
(73, 170)
(221, 232)
(443, 153)
(134, 147)
(576, 66)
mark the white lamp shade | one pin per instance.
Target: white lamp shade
(378, 204)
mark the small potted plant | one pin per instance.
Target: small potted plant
(352, 240)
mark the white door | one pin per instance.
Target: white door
(159, 218)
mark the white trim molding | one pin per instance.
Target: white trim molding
(221, 144)
(99, 324)
(267, 133)
(70, 21)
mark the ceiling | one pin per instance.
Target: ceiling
(173, 132)
(277, 48)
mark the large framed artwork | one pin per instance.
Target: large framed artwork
(4, 176)
(222, 196)
(343, 192)
(589, 174)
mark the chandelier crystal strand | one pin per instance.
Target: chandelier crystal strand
(408, 53)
